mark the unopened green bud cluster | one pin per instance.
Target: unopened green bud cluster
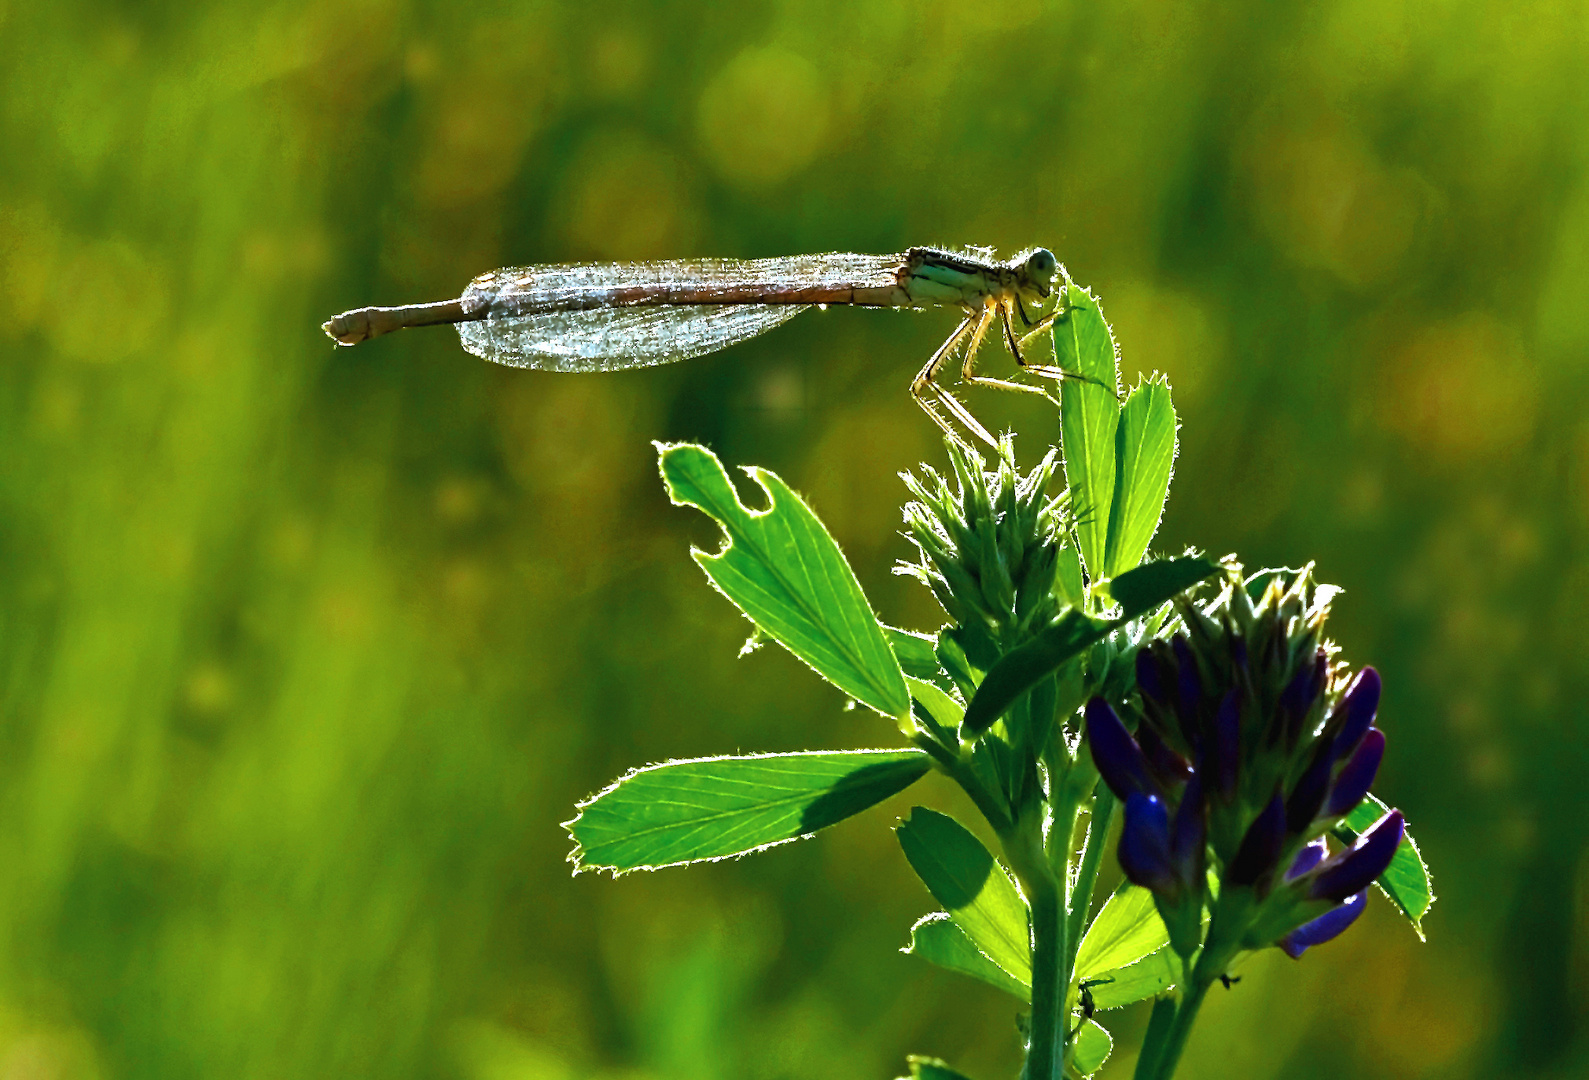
(989, 544)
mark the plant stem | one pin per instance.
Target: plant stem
(1103, 809)
(1175, 1041)
(1024, 848)
(1045, 1053)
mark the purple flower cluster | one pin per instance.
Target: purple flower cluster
(1246, 754)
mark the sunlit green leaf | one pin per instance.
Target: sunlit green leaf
(916, 654)
(710, 808)
(1144, 460)
(1092, 1048)
(1406, 880)
(1089, 413)
(1154, 974)
(1068, 581)
(968, 881)
(1126, 929)
(943, 711)
(938, 938)
(783, 570)
(931, 1068)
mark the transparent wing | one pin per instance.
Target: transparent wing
(527, 290)
(616, 338)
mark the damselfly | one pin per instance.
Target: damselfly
(612, 316)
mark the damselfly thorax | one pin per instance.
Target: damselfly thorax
(613, 316)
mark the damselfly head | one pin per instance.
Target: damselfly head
(1038, 267)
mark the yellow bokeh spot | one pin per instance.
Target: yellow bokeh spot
(1328, 202)
(30, 244)
(620, 61)
(764, 117)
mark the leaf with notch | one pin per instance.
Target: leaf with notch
(969, 882)
(713, 808)
(782, 569)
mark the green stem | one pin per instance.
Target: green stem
(1045, 1053)
(1158, 1032)
(1175, 1040)
(1103, 809)
(1045, 897)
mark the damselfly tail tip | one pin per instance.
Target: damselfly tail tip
(348, 328)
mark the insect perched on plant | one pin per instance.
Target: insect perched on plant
(614, 316)
(1084, 994)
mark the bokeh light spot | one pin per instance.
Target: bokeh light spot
(764, 117)
(1328, 202)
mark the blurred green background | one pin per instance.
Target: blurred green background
(305, 652)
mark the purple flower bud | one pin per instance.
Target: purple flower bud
(1353, 782)
(1356, 868)
(1306, 798)
(1165, 764)
(1189, 834)
(1115, 752)
(1227, 744)
(1356, 711)
(1297, 699)
(1311, 855)
(1150, 676)
(1145, 844)
(1325, 927)
(1260, 848)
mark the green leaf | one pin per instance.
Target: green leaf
(1022, 668)
(916, 655)
(943, 711)
(931, 1068)
(1406, 880)
(1141, 590)
(1124, 931)
(1138, 591)
(1154, 974)
(782, 569)
(1092, 1048)
(938, 938)
(968, 881)
(1144, 460)
(712, 808)
(1089, 413)
(1068, 581)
